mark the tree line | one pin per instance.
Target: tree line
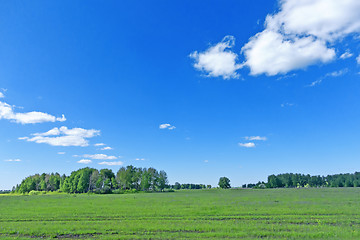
(291, 180)
(87, 180)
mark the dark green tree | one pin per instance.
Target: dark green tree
(224, 182)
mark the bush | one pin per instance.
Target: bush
(106, 190)
(118, 191)
(33, 192)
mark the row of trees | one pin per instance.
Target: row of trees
(179, 186)
(43, 182)
(290, 180)
(92, 180)
(301, 180)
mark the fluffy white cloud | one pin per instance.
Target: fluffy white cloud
(99, 156)
(119, 163)
(256, 138)
(271, 53)
(346, 55)
(247, 145)
(298, 36)
(64, 137)
(166, 126)
(13, 160)
(218, 60)
(7, 112)
(106, 148)
(84, 161)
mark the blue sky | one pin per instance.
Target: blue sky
(200, 89)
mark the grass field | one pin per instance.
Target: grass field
(327, 213)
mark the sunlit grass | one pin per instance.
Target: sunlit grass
(326, 213)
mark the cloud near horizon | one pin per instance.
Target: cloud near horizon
(99, 156)
(13, 160)
(64, 137)
(119, 163)
(84, 161)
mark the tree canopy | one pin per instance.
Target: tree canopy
(92, 180)
(224, 182)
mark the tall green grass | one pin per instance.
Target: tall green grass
(326, 213)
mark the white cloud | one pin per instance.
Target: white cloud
(140, 159)
(2, 95)
(99, 144)
(84, 161)
(13, 160)
(7, 112)
(331, 74)
(106, 148)
(64, 137)
(337, 73)
(247, 145)
(298, 36)
(206, 161)
(287, 104)
(119, 163)
(346, 55)
(166, 126)
(358, 59)
(271, 53)
(61, 153)
(256, 138)
(99, 156)
(218, 60)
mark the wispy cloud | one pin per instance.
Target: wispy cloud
(358, 59)
(84, 161)
(61, 153)
(247, 145)
(99, 156)
(256, 138)
(13, 160)
(166, 126)
(99, 144)
(286, 104)
(64, 137)
(331, 74)
(140, 159)
(7, 112)
(346, 55)
(106, 148)
(218, 60)
(119, 163)
(2, 95)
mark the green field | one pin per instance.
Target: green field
(327, 213)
